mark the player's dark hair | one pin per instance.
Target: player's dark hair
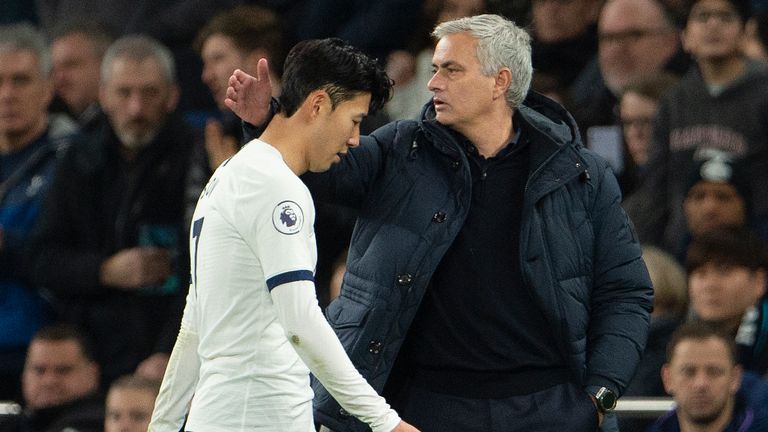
(336, 67)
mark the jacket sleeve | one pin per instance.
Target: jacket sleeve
(622, 296)
(349, 182)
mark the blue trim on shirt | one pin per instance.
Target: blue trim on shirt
(292, 276)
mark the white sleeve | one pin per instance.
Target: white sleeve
(180, 379)
(317, 345)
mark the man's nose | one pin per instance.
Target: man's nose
(135, 104)
(354, 140)
(434, 83)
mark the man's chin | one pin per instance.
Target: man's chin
(135, 141)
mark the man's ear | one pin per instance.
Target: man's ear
(736, 379)
(666, 379)
(317, 102)
(174, 93)
(503, 81)
(761, 278)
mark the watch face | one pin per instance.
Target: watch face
(606, 399)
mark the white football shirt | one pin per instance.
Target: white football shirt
(252, 230)
(252, 233)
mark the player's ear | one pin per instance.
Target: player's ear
(317, 102)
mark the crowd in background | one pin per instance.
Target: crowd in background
(112, 120)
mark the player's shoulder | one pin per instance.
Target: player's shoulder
(259, 171)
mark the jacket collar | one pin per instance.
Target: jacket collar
(546, 124)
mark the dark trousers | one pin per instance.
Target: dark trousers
(563, 407)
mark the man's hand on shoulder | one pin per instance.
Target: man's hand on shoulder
(249, 96)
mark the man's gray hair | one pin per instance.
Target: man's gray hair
(500, 44)
(25, 37)
(139, 48)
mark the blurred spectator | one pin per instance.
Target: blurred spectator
(726, 286)
(670, 303)
(173, 22)
(638, 105)
(411, 68)
(722, 103)
(636, 38)
(756, 41)
(111, 243)
(60, 385)
(236, 39)
(564, 39)
(718, 197)
(129, 405)
(711, 393)
(77, 49)
(670, 296)
(31, 141)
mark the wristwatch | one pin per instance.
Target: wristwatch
(606, 400)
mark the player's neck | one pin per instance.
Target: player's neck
(289, 139)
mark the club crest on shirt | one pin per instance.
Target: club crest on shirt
(288, 218)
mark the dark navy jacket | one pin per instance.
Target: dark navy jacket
(580, 258)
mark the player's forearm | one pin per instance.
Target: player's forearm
(319, 348)
(178, 384)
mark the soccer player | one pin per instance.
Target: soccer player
(252, 329)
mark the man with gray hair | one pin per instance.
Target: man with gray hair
(31, 142)
(493, 281)
(110, 243)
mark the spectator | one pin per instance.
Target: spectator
(636, 38)
(173, 22)
(703, 377)
(722, 104)
(236, 39)
(31, 141)
(60, 385)
(637, 108)
(129, 404)
(717, 197)
(726, 286)
(110, 241)
(480, 226)
(77, 49)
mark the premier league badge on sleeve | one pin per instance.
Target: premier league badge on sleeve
(288, 218)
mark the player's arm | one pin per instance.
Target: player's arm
(180, 378)
(319, 348)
